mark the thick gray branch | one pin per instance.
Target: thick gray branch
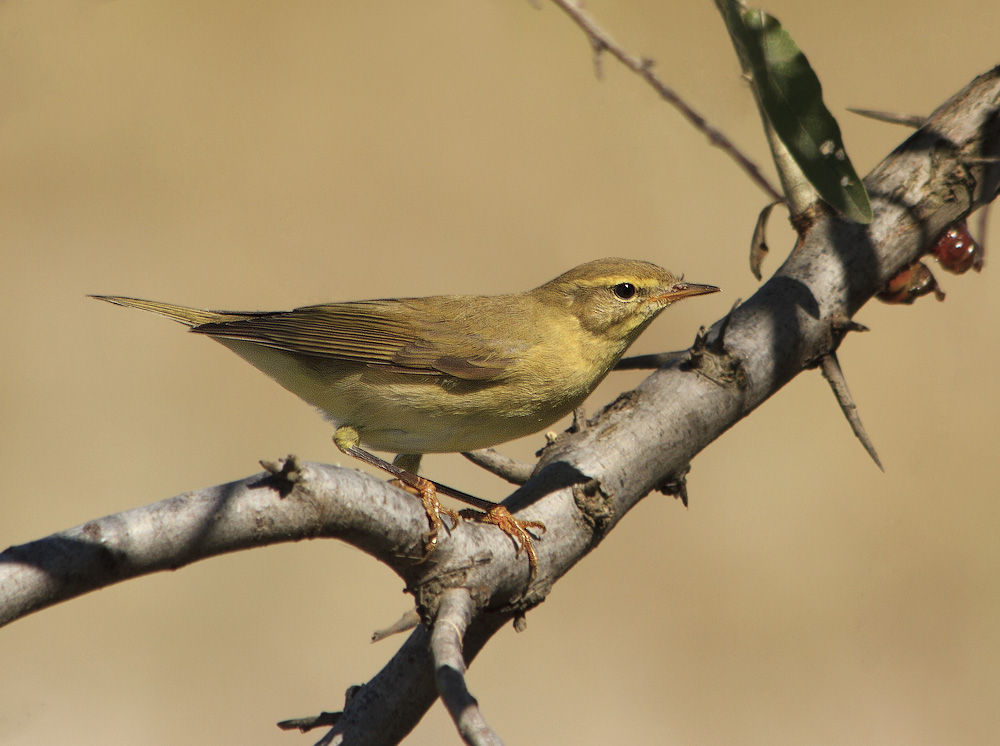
(263, 509)
(587, 480)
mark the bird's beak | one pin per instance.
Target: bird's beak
(684, 290)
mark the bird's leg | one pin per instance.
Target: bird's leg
(406, 466)
(404, 469)
(347, 440)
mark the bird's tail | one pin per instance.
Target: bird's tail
(189, 316)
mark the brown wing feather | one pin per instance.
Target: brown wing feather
(384, 333)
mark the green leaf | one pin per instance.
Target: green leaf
(791, 97)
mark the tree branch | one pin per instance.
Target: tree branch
(587, 480)
(454, 615)
(323, 502)
(601, 42)
(515, 472)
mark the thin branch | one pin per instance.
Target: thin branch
(651, 361)
(453, 618)
(601, 42)
(515, 472)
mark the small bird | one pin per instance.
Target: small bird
(448, 373)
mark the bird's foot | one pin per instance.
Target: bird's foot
(426, 490)
(516, 529)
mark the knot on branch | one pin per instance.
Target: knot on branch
(595, 505)
(836, 328)
(712, 360)
(285, 473)
(675, 485)
(803, 221)
(430, 589)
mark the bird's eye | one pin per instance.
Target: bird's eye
(624, 290)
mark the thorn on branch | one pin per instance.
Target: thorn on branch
(691, 358)
(676, 485)
(713, 360)
(285, 473)
(306, 724)
(719, 346)
(840, 325)
(405, 623)
(907, 120)
(323, 720)
(698, 347)
(832, 372)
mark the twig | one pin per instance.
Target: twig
(515, 472)
(601, 41)
(453, 618)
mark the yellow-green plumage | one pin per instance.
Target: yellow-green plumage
(449, 373)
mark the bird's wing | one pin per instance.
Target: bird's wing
(406, 336)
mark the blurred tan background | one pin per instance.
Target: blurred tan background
(267, 155)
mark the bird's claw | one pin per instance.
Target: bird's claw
(427, 493)
(516, 529)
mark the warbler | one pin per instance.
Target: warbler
(448, 373)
